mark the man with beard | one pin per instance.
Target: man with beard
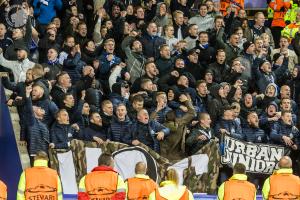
(284, 132)
(40, 99)
(19, 67)
(165, 62)
(151, 72)
(95, 131)
(252, 131)
(135, 61)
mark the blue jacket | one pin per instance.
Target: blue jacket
(161, 115)
(255, 135)
(280, 129)
(38, 139)
(106, 65)
(151, 45)
(45, 10)
(94, 130)
(145, 133)
(120, 131)
(73, 66)
(232, 127)
(50, 109)
(61, 135)
(117, 99)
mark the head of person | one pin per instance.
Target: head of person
(208, 76)
(162, 9)
(179, 64)
(266, 66)
(69, 100)
(38, 112)
(193, 30)
(259, 19)
(173, 176)
(64, 80)
(143, 116)
(239, 168)
(22, 53)
(234, 39)
(228, 113)
(121, 112)
(116, 10)
(178, 17)
(236, 109)
(147, 85)
(37, 71)
(183, 81)
(165, 51)
(193, 56)
(151, 69)
(17, 34)
(266, 39)
(69, 41)
(239, 32)
(169, 31)
(271, 90)
(259, 44)
(95, 118)
(37, 92)
(139, 12)
(201, 87)
(152, 29)
(284, 42)
(221, 56)
(248, 100)
(52, 54)
(109, 46)
(85, 109)
(41, 155)
(249, 47)
(161, 98)
(203, 37)
(252, 119)
(242, 14)
(285, 104)
(204, 120)
(286, 117)
(203, 9)
(29, 77)
(285, 91)
(271, 109)
(219, 21)
(210, 5)
(106, 160)
(107, 107)
(62, 117)
(138, 102)
(90, 46)
(285, 163)
(140, 168)
(136, 46)
(2, 30)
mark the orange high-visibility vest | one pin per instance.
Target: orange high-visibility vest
(284, 186)
(185, 195)
(278, 18)
(140, 188)
(101, 184)
(225, 3)
(239, 189)
(41, 183)
(3, 191)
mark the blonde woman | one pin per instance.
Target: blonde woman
(171, 190)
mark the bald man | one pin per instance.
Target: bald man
(282, 184)
(148, 132)
(141, 185)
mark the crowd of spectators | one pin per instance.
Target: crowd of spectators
(137, 71)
